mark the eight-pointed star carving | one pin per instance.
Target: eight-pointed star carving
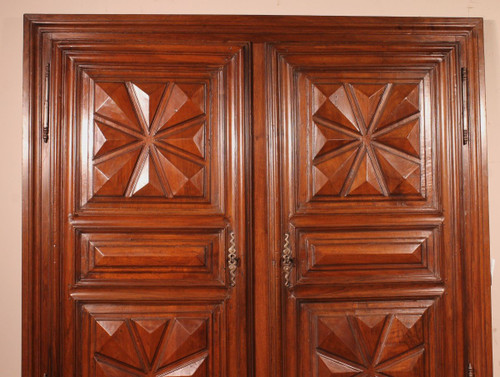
(366, 140)
(149, 139)
(371, 346)
(174, 347)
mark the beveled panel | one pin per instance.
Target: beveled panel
(340, 256)
(387, 338)
(366, 140)
(153, 135)
(150, 340)
(181, 257)
(151, 141)
(139, 127)
(357, 137)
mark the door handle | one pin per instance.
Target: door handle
(232, 259)
(287, 261)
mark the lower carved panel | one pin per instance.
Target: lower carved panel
(150, 340)
(369, 339)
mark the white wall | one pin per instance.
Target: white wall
(11, 12)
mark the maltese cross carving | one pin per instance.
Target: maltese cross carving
(366, 140)
(149, 139)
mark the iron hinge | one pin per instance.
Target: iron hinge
(46, 106)
(470, 371)
(465, 106)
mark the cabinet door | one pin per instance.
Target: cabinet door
(152, 216)
(369, 144)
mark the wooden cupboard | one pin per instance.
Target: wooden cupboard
(254, 196)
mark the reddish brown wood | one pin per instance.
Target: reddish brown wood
(175, 140)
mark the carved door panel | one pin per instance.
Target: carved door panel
(369, 216)
(153, 220)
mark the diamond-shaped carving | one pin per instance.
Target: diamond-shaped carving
(185, 102)
(402, 103)
(365, 180)
(151, 347)
(405, 138)
(191, 139)
(148, 181)
(107, 139)
(328, 367)
(366, 140)
(195, 369)
(150, 333)
(371, 328)
(147, 97)
(328, 139)
(112, 101)
(114, 340)
(368, 99)
(188, 181)
(329, 175)
(187, 336)
(371, 345)
(336, 336)
(402, 176)
(111, 176)
(150, 139)
(336, 107)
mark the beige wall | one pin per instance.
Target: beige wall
(11, 124)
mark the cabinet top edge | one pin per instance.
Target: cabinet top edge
(257, 22)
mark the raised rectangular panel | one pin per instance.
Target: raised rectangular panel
(340, 256)
(146, 340)
(386, 338)
(180, 257)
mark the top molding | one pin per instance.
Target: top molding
(261, 26)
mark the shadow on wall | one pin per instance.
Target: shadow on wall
(492, 54)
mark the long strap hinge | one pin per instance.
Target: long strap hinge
(46, 104)
(470, 371)
(465, 106)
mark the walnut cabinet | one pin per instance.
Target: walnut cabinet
(223, 196)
